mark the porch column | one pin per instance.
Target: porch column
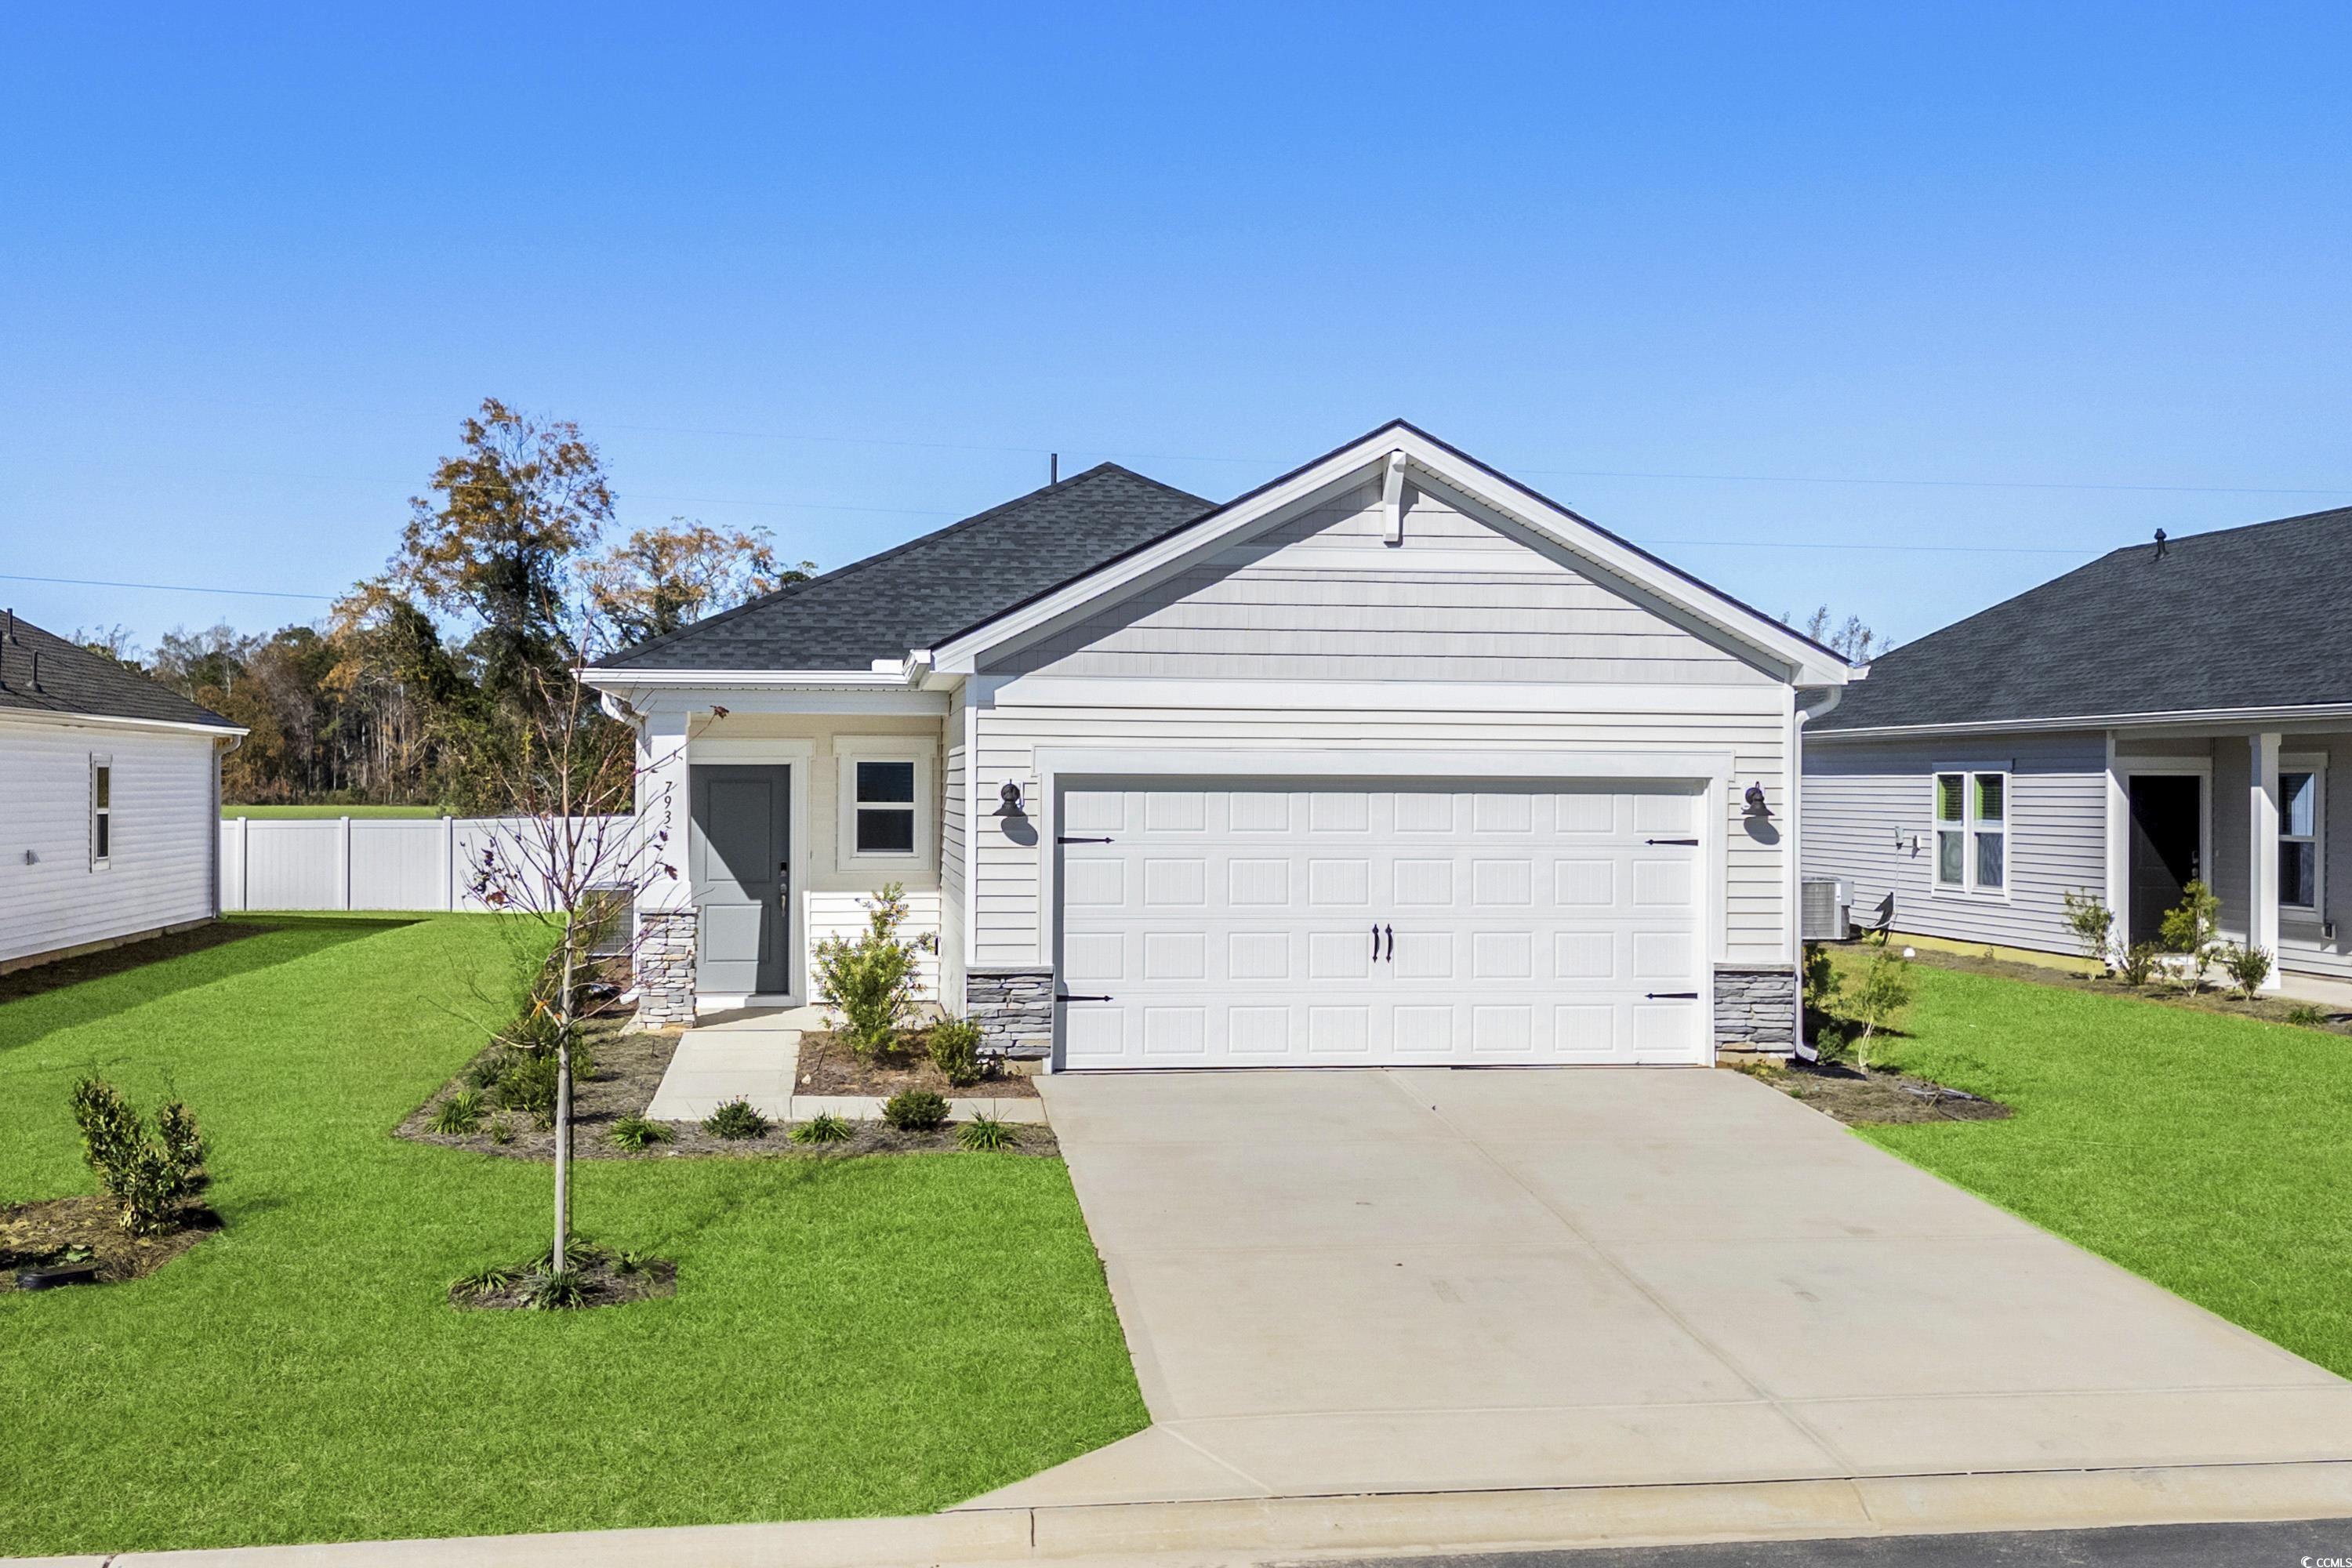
(2262, 852)
(663, 948)
(2118, 888)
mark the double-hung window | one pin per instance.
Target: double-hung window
(101, 812)
(1972, 831)
(2302, 781)
(886, 816)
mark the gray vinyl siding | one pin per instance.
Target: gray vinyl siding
(1324, 597)
(1865, 801)
(2302, 945)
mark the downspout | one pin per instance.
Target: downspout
(1823, 704)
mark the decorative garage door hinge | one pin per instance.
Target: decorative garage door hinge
(1692, 842)
(1068, 838)
(1671, 995)
(1106, 998)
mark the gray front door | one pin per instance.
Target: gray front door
(740, 865)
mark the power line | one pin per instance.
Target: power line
(166, 588)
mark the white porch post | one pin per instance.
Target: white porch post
(2263, 853)
(2119, 888)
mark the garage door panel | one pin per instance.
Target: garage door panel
(1515, 925)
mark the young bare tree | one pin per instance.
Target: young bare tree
(572, 856)
(1857, 642)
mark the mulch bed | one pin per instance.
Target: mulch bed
(1850, 1096)
(828, 1067)
(52, 1231)
(2270, 1009)
(606, 1285)
(628, 1069)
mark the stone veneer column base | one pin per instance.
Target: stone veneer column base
(1013, 1007)
(664, 968)
(1755, 1013)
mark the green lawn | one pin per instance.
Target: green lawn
(2205, 1152)
(875, 1336)
(331, 812)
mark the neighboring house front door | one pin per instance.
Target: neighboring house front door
(2167, 840)
(740, 865)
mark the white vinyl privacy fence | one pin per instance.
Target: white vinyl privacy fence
(376, 863)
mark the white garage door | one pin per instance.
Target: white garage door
(1277, 926)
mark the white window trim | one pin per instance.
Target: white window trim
(2315, 764)
(923, 751)
(1968, 827)
(100, 759)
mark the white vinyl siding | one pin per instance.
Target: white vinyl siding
(1871, 816)
(1754, 909)
(158, 870)
(2305, 945)
(1323, 598)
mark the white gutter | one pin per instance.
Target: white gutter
(2315, 711)
(51, 715)
(889, 675)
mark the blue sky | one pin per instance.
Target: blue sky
(849, 272)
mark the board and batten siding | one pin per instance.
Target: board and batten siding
(1867, 802)
(1008, 920)
(160, 871)
(1323, 598)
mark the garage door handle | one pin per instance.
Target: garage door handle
(1376, 942)
(1671, 995)
(1692, 842)
(1392, 953)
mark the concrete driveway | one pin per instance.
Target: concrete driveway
(1419, 1280)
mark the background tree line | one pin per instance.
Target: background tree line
(421, 686)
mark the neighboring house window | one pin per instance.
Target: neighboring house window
(885, 810)
(101, 811)
(2301, 785)
(1972, 831)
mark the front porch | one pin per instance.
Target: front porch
(2255, 816)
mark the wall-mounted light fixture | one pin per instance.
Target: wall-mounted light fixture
(1755, 805)
(1008, 800)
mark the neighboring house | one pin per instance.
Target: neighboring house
(2176, 711)
(1389, 760)
(109, 828)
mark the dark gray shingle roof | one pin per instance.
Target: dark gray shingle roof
(75, 680)
(929, 588)
(2259, 616)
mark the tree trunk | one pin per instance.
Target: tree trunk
(563, 1108)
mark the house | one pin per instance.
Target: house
(2178, 710)
(1389, 760)
(113, 790)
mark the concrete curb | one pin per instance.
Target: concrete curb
(1215, 1534)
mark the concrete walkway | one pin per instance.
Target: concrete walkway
(1422, 1280)
(755, 1055)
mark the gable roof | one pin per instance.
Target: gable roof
(1399, 447)
(76, 682)
(2253, 617)
(909, 598)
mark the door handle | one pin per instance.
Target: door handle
(1392, 953)
(1376, 942)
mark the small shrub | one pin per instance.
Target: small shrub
(557, 1291)
(460, 1113)
(501, 1131)
(2307, 1015)
(637, 1132)
(1833, 1044)
(915, 1111)
(2247, 968)
(736, 1119)
(528, 1086)
(955, 1051)
(825, 1127)
(2193, 928)
(871, 981)
(148, 1178)
(2137, 965)
(484, 1280)
(490, 1066)
(1760, 1070)
(2094, 925)
(1821, 978)
(629, 1260)
(987, 1134)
